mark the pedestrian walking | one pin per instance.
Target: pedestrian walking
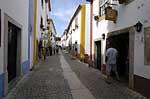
(44, 50)
(57, 49)
(111, 62)
(54, 49)
(40, 48)
(50, 48)
(76, 48)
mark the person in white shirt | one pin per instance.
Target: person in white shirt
(111, 62)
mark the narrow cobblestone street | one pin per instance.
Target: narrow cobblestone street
(61, 77)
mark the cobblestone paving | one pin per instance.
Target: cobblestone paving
(46, 81)
(95, 82)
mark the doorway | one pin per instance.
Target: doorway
(98, 55)
(121, 43)
(12, 56)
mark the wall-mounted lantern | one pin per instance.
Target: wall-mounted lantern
(138, 26)
(103, 36)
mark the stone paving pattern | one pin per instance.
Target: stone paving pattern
(46, 81)
(95, 82)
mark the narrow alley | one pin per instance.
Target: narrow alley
(74, 49)
(63, 77)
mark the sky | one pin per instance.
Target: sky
(62, 11)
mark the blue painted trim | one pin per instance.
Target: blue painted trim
(29, 1)
(1, 85)
(25, 67)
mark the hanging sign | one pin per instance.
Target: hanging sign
(111, 14)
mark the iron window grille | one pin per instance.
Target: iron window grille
(103, 5)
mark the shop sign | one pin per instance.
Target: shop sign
(111, 14)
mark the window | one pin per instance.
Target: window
(76, 22)
(0, 27)
(42, 3)
(41, 25)
(103, 5)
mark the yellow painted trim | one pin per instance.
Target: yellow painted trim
(82, 32)
(34, 44)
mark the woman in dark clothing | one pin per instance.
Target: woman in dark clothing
(39, 48)
(57, 49)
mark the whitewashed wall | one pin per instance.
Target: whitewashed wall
(76, 34)
(19, 15)
(96, 33)
(31, 31)
(87, 30)
(54, 32)
(144, 15)
(63, 40)
(128, 15)
(40, 12)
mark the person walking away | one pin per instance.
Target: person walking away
(50, 48)
(76, 49)
(39, 48)
(44, 50)
(57, 49)
(111, 60)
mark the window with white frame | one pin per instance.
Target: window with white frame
(42, 3)
(103, 5)
(76, 22)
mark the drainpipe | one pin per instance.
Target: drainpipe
(91, 29)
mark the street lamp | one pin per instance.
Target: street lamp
(103, 36)
(138, 26)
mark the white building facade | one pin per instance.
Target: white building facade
(132, 45)
(53, 33)
(39, 15)
(63, 40)
(14, 41)
(78, 30)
